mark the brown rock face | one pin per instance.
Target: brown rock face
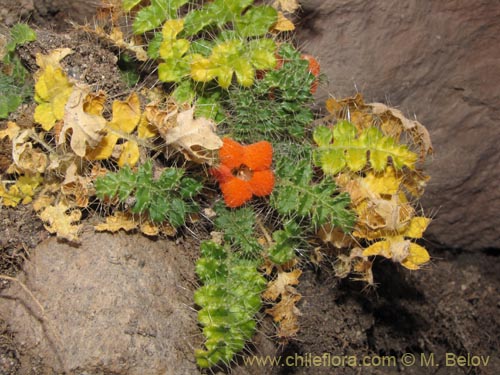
(440, 62)
(118, 304)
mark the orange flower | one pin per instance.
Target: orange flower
(244, 171)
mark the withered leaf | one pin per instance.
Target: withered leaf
(60, 222)
(196, 138)
(87, 129)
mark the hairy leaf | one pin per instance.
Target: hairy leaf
(286, 241)
(167, 198)
(256, 21)
(239, 229)
(297, 195)
(152, 16)
(341, 147)
(229, 300)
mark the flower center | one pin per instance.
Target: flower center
(243, 173)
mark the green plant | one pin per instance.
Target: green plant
(276, 107)
(229, 300)
(153, 15)
(15, 83)
(238, 227)
(340, 146)
(167, 198)
(298, 195)
(288, 188)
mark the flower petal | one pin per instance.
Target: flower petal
(236, 192)
(231, 153)
(221, 173)
(258, 156)
(262, 183)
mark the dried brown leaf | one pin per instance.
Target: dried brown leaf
(60, 222)
(195, 138)
(87, 129)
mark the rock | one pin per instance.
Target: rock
(438, 61)
(117, 304)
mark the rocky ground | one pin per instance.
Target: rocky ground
(122, 304)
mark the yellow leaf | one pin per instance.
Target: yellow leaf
(104, 149)
(203, 69)
(383, 183)
(87, 129)
(118, 221)
(53, 58)
(149, 229)
(11, 197)
(145, 130)
(171, 28)
(417, 227)
(126, 114)
(27, 185)
(418, 256)
(52, 91)
(22, 191)
(409, 254)
(379, 248)
(93, 104)
(60, 222)
(11, 131)
(283, 24)
(129, 155)
(196, 138)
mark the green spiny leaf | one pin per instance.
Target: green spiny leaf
(256, 21)
(167, 198)
(297, 195)
(173, 70)
(218, 12)
(238, 227)
(286, 241)
(152, 16)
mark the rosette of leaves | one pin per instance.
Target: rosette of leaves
(219, 60)
(231, 43)
(229, 300)
(170, 197)
(299, 194)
